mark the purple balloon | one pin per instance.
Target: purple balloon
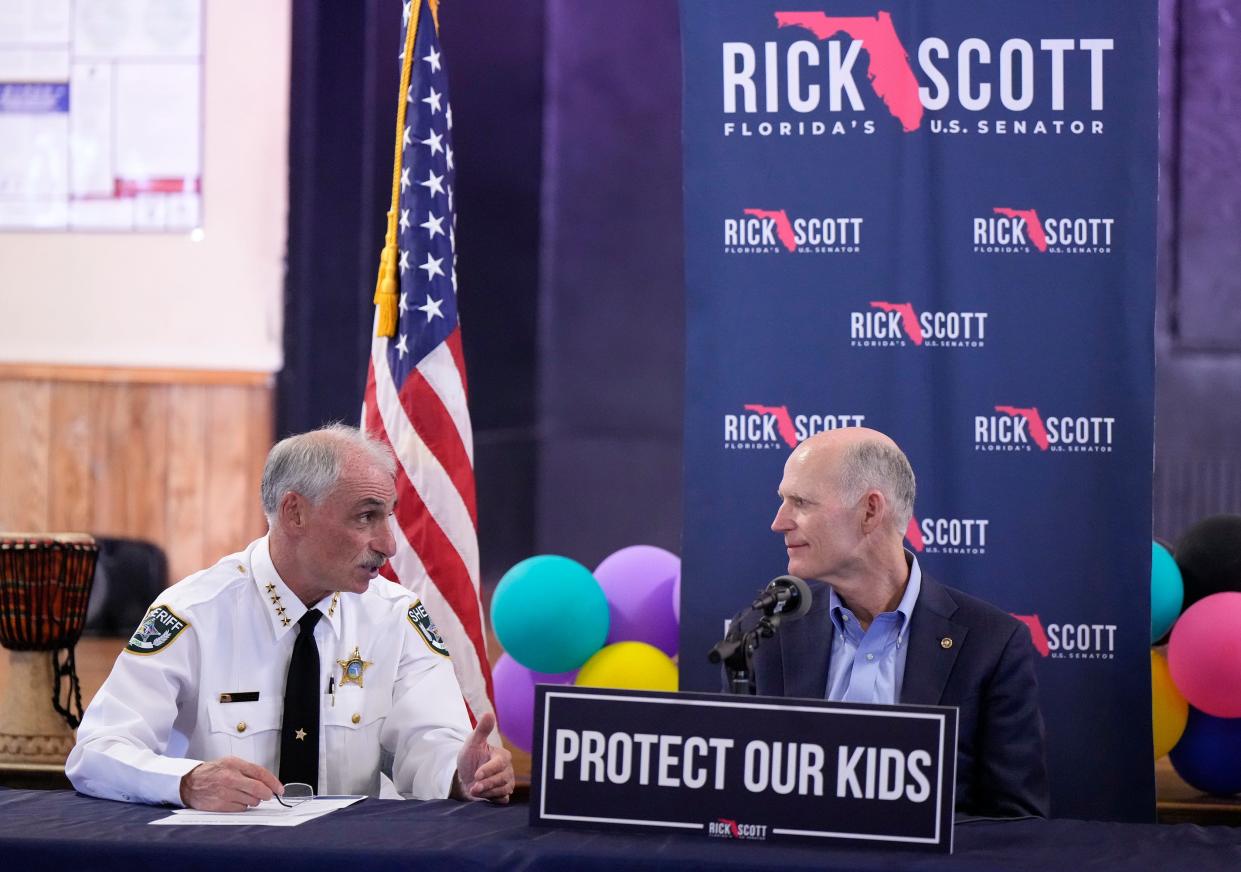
(638, 582)
(514, 687)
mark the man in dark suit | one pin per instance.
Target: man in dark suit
(880, 631)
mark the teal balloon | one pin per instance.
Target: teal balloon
(550, 613)
(1167, 591)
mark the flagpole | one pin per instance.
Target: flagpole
(385, 285)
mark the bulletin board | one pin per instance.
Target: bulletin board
(101, 115)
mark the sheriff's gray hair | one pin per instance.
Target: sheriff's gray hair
(878, 465)
(310, 463)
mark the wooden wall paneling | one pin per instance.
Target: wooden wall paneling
(146, 461)
(71, 441)
(187, 481)
(177, 464)
(110, 414)
(262, 437)
(25, 409)
(131, 463)
(229, 495)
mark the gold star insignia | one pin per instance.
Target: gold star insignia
(286, 621)
(300, 735)
(353, 668)
(280, 611)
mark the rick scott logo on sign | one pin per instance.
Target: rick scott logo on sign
(727, 828)
(1024, 428)
(818, 74)
(776, 427)
(774, 231)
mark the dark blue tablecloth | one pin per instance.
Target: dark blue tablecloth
(52, 830)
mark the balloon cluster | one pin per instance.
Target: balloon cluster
(559, 623)
(1196, 688)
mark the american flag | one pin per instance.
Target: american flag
(416, 386)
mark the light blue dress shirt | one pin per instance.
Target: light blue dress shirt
(868, 666)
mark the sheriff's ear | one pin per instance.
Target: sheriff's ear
(292, 512)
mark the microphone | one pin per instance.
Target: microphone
(787, 596)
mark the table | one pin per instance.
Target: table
(52, 830)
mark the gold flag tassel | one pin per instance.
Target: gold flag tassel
(386, 284)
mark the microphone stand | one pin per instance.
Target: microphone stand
(736, 651)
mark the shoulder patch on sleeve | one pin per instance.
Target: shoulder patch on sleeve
(421, 621)
(158, 630)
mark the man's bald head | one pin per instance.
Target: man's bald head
(854, 460)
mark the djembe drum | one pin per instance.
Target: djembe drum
(45, 582)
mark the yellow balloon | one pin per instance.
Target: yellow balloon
(630, 666)
(1169, 710)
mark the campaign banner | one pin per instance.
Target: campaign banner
(936, 218)
(739, 767)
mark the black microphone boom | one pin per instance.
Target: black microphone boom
(787, 596)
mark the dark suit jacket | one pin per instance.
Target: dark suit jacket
(988, 673)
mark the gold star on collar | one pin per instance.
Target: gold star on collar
(352, 669)
(270, 587)
(331, 609)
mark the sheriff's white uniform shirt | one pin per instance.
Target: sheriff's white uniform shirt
(203, 678)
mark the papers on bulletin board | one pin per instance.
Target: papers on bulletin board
(101, 115)
(266, 814)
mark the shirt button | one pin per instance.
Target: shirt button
(241, 727)
(357, 718)
(870, 656)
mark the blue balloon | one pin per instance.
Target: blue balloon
(550, 613)
(1167, 591)
(1207, 755)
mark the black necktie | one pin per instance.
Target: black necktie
(299, 731)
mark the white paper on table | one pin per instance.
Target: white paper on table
(266, 814)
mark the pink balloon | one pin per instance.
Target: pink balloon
(1204, 654)
(638, 583)
(514, 688)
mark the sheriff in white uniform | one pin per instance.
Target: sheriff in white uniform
(203, 678)
(192, 712)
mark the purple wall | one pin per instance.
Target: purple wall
(1198, 324)
(611, 308)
